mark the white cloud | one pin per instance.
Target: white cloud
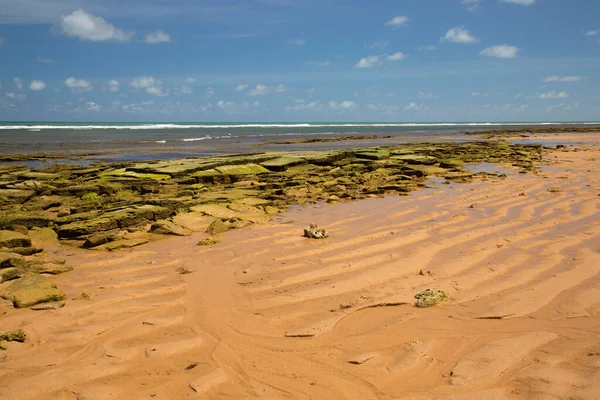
(91, 106)
(501, 51)
(555, 78)
(519, 2)
(37, 85)
(297, 42)
(182, 90)
(311, 90)
(553, 95)
(378, 45)
(396, 56)
(478, 94)
(44, 60)
(369, 62)
(88, 27)
(190, 80)
(344, 105)
(231, 107)
(413, 107)
(262, 90)
(593, 32)
(113, 86)
(78, 85)
(209, 92)
(423, 95)
(16, 96)
(563, 106)
(157, 37)
(2, 40)
(157, 91)
(18, 83)
(459, 34)
(397, 21)
(153, 86)
(241, 87)
(471, 5)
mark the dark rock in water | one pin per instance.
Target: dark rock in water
(314, 232)
(13, 336)
(169, 228)
(14, 239)
(430, 298)
(12, 260)
(31, 290)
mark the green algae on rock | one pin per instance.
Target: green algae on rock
(14, 239)
(430, 298)
(31, 290)
(13, 336)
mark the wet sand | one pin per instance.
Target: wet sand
(269, 314)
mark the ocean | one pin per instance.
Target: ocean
(144, 141)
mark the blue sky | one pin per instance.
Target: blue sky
(299, 60)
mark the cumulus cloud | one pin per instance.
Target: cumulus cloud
(183, 90)
(16, 96)
(78, 85)
(369, 62)
(519, 2)
(113, 86)
(85, 26)
(231, 107)
(151, 85)
(413, 107)
(397, 21)
(459, 34)
(18, 83)
(396, 57)
(378, 45)
(423, 95)
(241, 87)
(593, 32)
(297, 42)
(471, 5)
(553, 95)
(37, 85)
(262, 90)
(500, 51)
(91, 106)
(157, 37)
(344, 105)
(555, 78)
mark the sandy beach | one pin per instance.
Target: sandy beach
(269, 314)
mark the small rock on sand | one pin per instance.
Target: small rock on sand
(430, 298)
(314, 232)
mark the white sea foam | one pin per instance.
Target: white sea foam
(281, 126)
(196, 139)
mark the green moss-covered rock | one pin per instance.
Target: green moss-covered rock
(31, 290)
(430, 298)
(374, 155)
(88, 227)
(92, 197)
(24, 251)
(7, 274)
(13, 336)
(12, 260)
(415, 159)
(38, 176)
(28, 220)
(208, 241)
(169, 228)
(132, 175)
(14, 239)
(217, 226)
(49, 267)
(282, 163)
(122, 244)
(240, 170)
(452, 163)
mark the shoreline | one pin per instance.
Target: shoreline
(521, 273)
